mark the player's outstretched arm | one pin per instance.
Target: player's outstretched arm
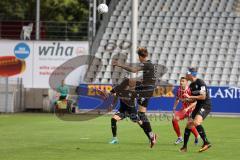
(126, 67)
(201, 95)
(191, 106)
(175, 104)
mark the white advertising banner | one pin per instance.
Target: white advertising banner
(38, 59)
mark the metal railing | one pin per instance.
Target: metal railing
(11, 95)
(49, 30)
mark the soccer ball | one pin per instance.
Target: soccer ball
(102, 8)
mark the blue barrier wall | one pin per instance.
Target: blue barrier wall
(224, 99)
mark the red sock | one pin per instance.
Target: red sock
(176, 127)
(194, 131)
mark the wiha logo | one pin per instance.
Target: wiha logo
(56, 50)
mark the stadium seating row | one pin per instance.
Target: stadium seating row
(178, 34)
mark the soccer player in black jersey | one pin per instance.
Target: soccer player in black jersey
(127, 108)
(203, 107)
(143, 91)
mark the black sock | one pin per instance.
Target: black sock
(146, 126)
(202, 133)
(114, 127)
(186, 136)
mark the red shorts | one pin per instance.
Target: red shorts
(181, 115)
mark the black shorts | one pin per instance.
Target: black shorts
(62, 98)
(144, 92)
(202, 111)
(126, 111)
(143, 102)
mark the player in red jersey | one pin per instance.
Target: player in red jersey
(185, 110)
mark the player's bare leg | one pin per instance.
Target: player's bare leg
(114, 121)
(197, 123)
(187, 132)
(177, 129)
(146, 126)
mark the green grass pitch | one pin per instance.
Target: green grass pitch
(44, 136)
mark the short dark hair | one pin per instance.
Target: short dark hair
(183, 78)
(192, 69)
(142, 52)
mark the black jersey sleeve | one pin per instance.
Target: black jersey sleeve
(196, 93)
(202, 86)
